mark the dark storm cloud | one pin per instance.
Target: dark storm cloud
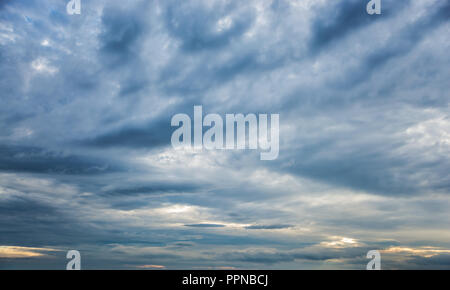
(352, 257)
(39, 160)
(204, 226)
(367, 172)
(339, 19)
(312, 254)
(196, 25)
(437, 262)
(400, 44)
(156, 134)
(372, 167)
(200, 32)
(155, 188)
(3, 3)
(182, 244)
(120, 34)
(268, 227)
(34, 223)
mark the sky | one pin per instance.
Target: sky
(86, 161)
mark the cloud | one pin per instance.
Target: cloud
(22, 252)
(156, 135)
(86, 161)
(154, 189)
(205, 225)
(150, 267)
(39, 160)
(268, 227)
(200, 27)
(438, 262)
(335, 21)
(121, 30)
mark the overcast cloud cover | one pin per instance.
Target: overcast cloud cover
(86, 161)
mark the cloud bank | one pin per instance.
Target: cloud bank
(85, 155)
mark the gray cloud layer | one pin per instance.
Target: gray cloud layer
(85, 155)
